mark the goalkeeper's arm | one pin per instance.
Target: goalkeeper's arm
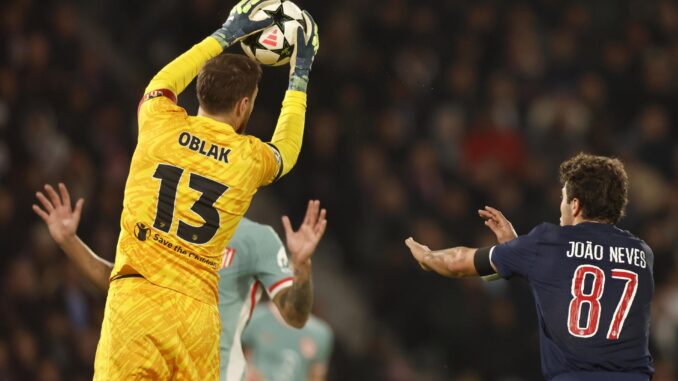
(176, 75)
(180, 72)
(290, 128)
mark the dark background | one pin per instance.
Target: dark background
(420, 112)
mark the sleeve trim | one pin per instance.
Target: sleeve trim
(280, 285)
(278, 159)
(158, 93)
(482, 263)
(254, 297)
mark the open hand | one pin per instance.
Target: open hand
(419, 251)
(240, 24)
(61, 220)
(302, 243)
(500, 226)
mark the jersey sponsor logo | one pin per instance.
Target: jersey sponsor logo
(198, 145)
(307, 347)
(283, 261)
(179, 249)
(141, 231)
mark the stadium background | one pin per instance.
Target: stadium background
(421, 112)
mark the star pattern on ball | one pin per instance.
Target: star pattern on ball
(279, 17)
(256, 42)
(285, 51)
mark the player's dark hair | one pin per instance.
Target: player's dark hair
(599, 183)
(225, 80)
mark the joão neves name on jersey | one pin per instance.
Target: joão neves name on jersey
(198, 145)
(615, 254)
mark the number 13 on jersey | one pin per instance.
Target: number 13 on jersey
(210, 190)
(592, 298)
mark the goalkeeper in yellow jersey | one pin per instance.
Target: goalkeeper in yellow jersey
(191, 180)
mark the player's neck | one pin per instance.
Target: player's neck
(223, 118)
(578, 220)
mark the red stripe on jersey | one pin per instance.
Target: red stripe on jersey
(230, 260)
(278, 283)
(157, 93)
(227, 260)
(253, 298)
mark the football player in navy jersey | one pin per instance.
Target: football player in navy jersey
(592, 282)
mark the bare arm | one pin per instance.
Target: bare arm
(97, 269)
(62, 222)
(456, 262)
(295, 303)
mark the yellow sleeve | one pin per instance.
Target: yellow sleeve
(176, 75)
(160, 97)
(289, 132)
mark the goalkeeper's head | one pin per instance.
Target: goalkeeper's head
(227, 88)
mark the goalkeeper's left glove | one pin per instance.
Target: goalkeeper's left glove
(305, 50)
(240, 24)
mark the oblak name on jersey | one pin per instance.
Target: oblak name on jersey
(196, 144)
(616, 254)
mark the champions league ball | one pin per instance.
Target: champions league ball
(274, 45)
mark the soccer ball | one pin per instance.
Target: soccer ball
(274, 45)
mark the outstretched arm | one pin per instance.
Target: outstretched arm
(295, 303)
(456, 262)
(62, 222)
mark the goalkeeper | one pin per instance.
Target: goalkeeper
(190, 182)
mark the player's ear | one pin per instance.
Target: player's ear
(242, 107)
(576, 207)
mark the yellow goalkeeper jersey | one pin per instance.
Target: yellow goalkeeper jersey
(191, 180)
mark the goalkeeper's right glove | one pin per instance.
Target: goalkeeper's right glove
(305, 50)
(240, 24)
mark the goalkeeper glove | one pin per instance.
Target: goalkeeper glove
(240, 24)
(305, 50)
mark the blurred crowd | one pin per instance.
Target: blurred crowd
(420, 113)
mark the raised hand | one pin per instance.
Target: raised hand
(240, 24)
(305, 50)
(500, 226)
(302, 243)
(61, 220)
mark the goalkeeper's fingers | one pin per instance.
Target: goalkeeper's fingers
(312, 35)
(244, 6)
(263, 24)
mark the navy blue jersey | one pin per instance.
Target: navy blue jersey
(592, 286)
